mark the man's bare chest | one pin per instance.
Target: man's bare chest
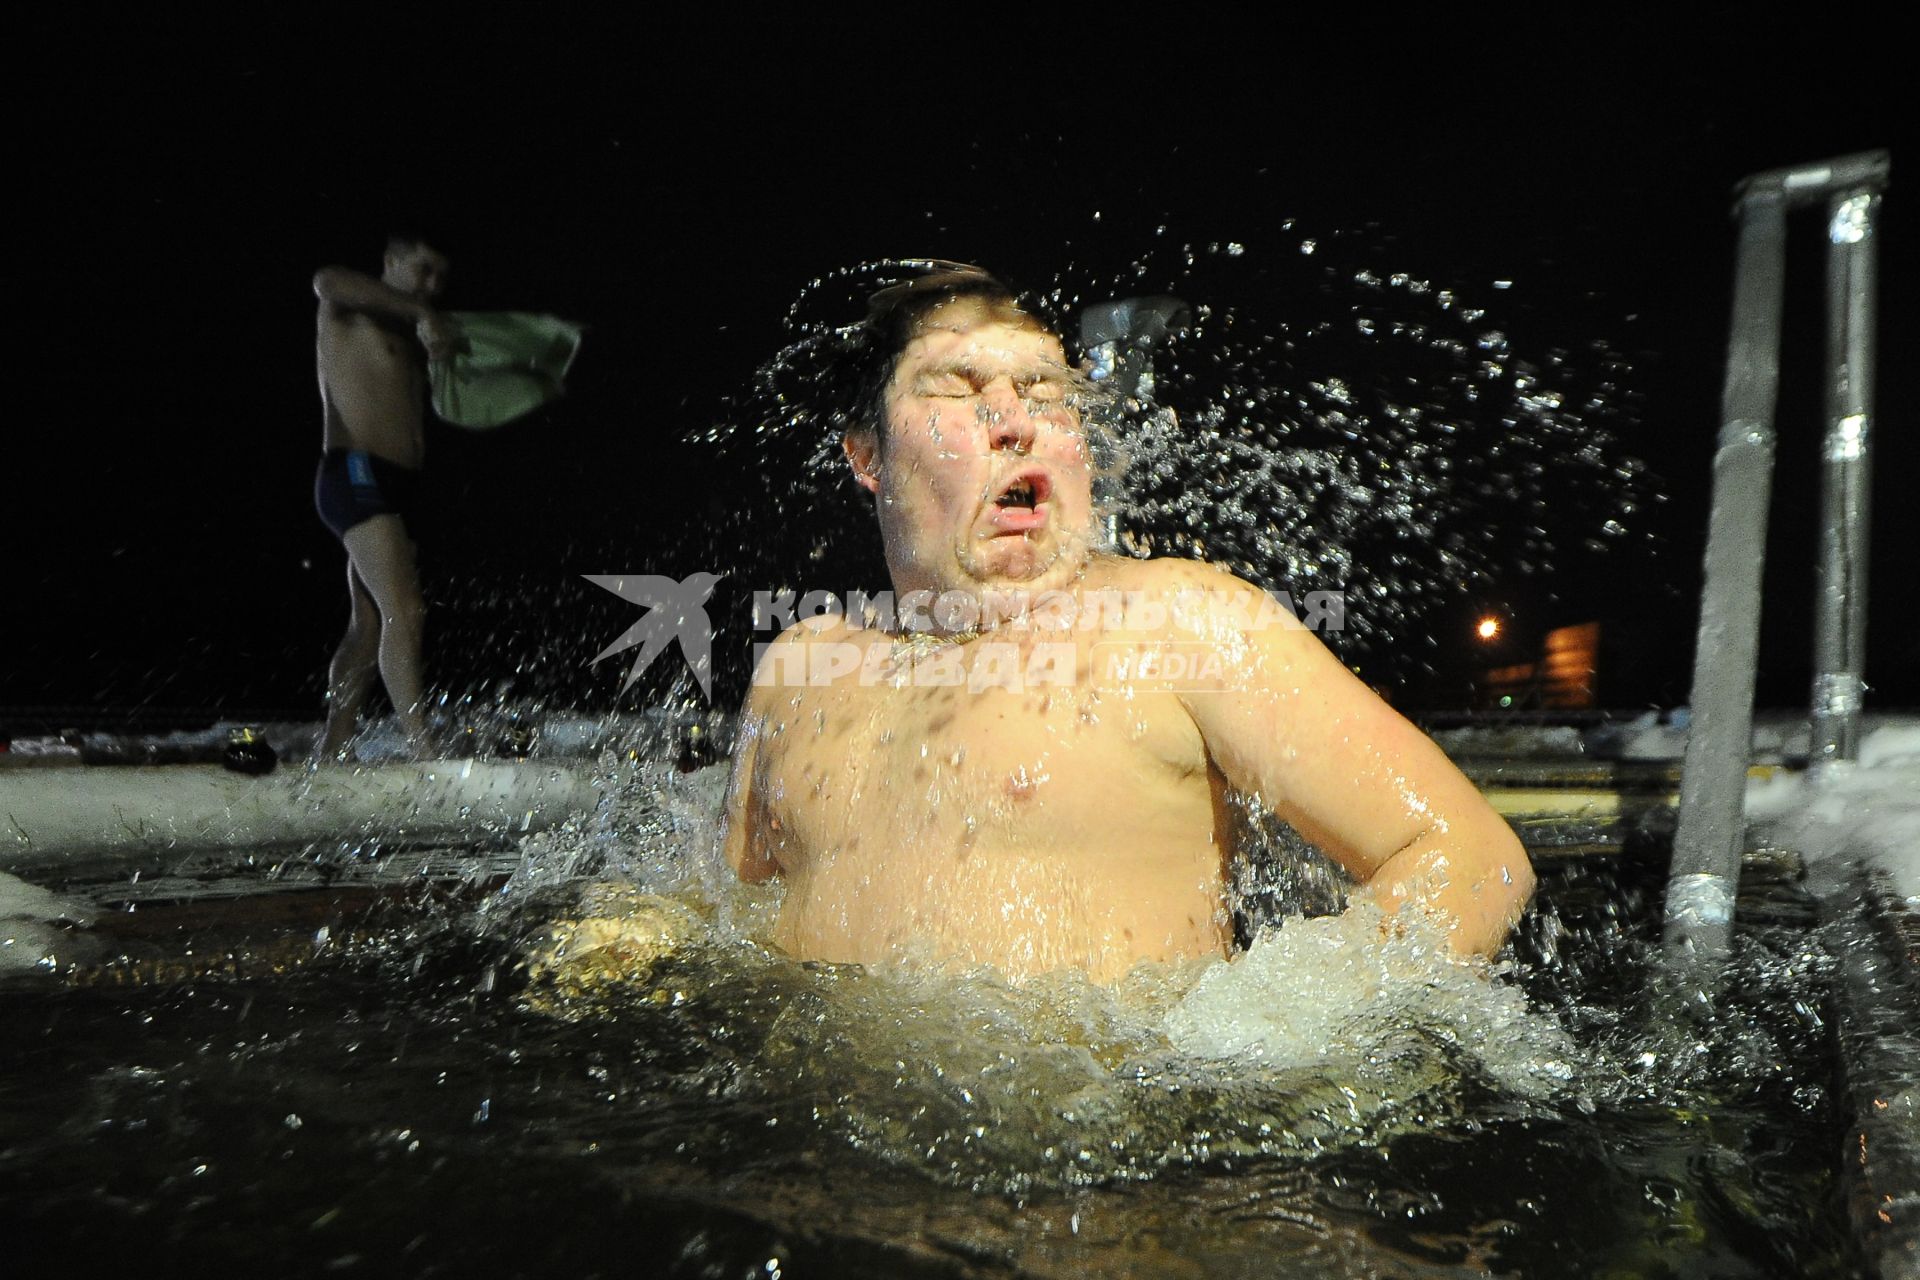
(997, 767)
(357, 350)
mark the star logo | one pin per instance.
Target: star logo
(674, 613)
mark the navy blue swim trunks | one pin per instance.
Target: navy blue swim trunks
(354, 485)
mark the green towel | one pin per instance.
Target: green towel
(507, 364)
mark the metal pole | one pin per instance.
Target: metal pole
(1707, 842)
(1840, 602)
(1705, 874)
(1119, 338)
(1805, 184)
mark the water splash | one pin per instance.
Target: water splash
(1338, 992)
(1386, 440)
(1320, 1036)
(1325, 425)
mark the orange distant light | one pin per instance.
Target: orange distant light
(1488, 628)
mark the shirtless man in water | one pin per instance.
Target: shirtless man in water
(375, 337)
(980, 815)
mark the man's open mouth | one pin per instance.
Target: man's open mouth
(1028, 489)
(1020, 505)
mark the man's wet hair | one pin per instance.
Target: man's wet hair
(401, 239)
(898, 314)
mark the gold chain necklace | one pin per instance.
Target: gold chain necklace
(917, 644)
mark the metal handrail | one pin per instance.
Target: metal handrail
(1704, 875)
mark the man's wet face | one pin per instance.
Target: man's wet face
(417, 270)
(983, 478)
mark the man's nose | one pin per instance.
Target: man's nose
(1009, 425)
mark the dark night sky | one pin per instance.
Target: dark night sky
(158, 481)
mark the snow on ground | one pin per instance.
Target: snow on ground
(28, 933)
(1871, 809)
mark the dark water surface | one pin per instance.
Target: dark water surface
(392, 1102)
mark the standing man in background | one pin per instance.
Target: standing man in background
(375, 337)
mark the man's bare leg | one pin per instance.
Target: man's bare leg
(355, 664)
(382, 556)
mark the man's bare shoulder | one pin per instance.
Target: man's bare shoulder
(787, 653)
(1198, 596)
(345, 326)
(828, 628)
(1164, 573)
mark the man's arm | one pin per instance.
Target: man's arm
(753, 834)
(1351, 774)
(746, 855)
(748, 849)
(352, 290)
(345, 289)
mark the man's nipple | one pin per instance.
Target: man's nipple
(1024, 783)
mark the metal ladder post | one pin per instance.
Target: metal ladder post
(1840, 602)
(1704, 876)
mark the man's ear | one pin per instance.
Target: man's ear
(863, 454)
